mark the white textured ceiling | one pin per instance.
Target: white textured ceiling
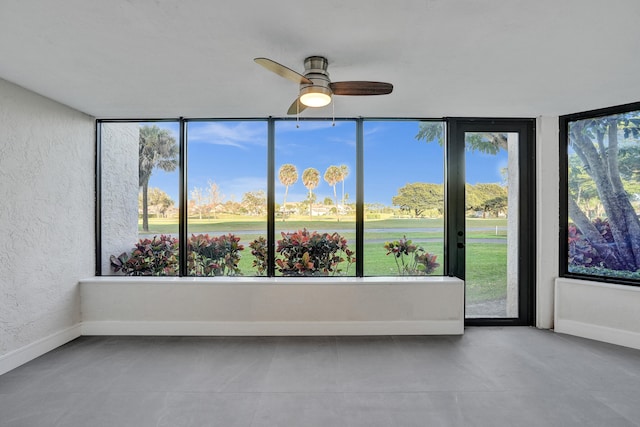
(193, 58)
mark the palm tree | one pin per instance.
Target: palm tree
(333, 175)
(288, 175)
(310, 179)
(158, 149)
(345, 173)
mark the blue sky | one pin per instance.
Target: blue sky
(233, 154)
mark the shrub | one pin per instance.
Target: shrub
(214, 256)
(584, 253)
(411, 260)
(149, 257)
(259, 251)
(307, 253)
(207, 256)
(605, 272)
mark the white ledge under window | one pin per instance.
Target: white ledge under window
(600, 311)
(117, 305)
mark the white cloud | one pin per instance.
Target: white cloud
(241, 134)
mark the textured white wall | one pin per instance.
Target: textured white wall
(46, 215)
(120, 188)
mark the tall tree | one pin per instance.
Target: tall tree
(478, 195)
(311, 179)
(420, 196)
(214, 197)
(158, 200)
(345, 173)
(288, 175)
(197, 201)
(255, 202)
(158, 149)
(595, 141)
(333, 175)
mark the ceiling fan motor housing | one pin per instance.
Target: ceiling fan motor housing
(315, 69)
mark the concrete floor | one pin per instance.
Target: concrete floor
(488, 377)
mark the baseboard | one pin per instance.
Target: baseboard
(600, 333)
(452, 327)
(29, 352)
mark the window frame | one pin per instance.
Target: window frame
(448, 268)
(563, 123)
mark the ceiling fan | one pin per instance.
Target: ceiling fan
(316, 89)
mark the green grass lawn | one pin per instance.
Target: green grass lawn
(486, 262)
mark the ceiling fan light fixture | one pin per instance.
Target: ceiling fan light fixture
(315, 96)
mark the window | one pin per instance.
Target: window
(227, 197)
(315, 198)
(215, 191)
(600, 200)
(403, 197)
(139, 184)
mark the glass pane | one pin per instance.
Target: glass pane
(491, 194)
(315, 198)
(139, 204)
(604, 196)
(227, 200)
(403, 198)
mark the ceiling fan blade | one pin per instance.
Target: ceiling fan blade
(296, 107)
(283, 71)
(361, 88)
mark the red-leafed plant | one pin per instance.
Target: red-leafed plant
(207, 256)
(411, 260)
(214, 256)
(304, 253)
(149, 257)
(259, 251)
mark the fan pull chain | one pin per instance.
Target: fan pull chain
(297, 114)
(333, 107)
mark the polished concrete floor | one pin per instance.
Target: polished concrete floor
(488, 377)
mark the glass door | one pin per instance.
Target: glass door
(491, 202)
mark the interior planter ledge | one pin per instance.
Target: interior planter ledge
(258, 306)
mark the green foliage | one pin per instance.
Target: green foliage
(255, 202)
(419, 196)
(581, 186)
(149, 257)
(288, 174)
(305, 253)
(584, 253)
(157, 149)
(411, 260)
(208, 256)
(606, 147)
(484, 142)
(259, 251)
(431, 131)
(605, 272)
(157, 200)
(214, 256)
(488, 198)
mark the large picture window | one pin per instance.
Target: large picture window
(601, 194)
(332, 211)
